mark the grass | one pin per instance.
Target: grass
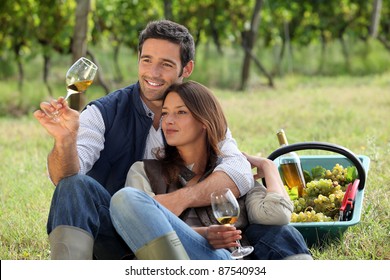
(351, 111)
(25, 191)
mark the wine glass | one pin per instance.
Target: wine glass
(78, 78)
(227, 210)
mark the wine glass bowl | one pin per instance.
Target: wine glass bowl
(227, 210)
(80, 76)
(225, 207)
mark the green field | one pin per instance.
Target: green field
(353, 112)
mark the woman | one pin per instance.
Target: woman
(193, 124)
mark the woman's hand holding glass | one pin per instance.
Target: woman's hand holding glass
(227, 210)
(222, 237)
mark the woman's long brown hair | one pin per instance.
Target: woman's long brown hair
(205, 108)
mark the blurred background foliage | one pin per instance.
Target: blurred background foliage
(240, 43)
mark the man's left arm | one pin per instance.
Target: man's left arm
(233, 172)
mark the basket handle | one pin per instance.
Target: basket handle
(327, 147)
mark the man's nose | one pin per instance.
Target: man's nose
(156, 70)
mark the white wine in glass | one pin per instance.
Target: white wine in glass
(227, 210)
(79, 77)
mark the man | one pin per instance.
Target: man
(94, 150)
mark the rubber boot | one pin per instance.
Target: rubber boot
(70, 243)
(299, 257)
(166, 247)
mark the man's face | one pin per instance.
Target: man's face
(159, 66)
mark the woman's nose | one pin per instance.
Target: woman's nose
(169, 118)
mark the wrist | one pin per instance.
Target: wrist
(66, 141)
(267, 164)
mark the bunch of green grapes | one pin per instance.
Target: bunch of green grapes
(317, 187)
(322, 197)
(299, 204)
(329, 205)
(337, 175)
(309, 216)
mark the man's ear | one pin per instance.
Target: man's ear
(187, 70)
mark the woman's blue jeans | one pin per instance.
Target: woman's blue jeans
(139, 219)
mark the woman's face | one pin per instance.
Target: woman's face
(180, 128)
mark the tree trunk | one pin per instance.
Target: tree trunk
(248, 41)
(286, 30)
(20, 66)
(118, 72)
(375, 18)
(345, 52)
(46, 69)
(215, 35)
(79, 45)
(322, 53)
(278, 64)
(99, 75)
(261, 67)
(168, 9)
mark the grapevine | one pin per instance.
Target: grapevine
(323, 195)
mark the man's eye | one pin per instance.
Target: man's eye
(167, 65)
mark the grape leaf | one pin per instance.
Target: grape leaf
(352, 174)
(292, 193)
(307, 176)
(318, 172)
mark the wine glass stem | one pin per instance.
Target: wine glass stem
(68, 94)
(239, 246)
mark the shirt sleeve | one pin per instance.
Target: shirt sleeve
(267, 208)
(235, 164)
(137, 178)
(90, 138)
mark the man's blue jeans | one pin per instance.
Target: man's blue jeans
(80, 201)
(275, 242)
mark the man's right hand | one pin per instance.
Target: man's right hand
(63, 159)
(64, 124)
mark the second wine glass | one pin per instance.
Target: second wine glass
(227, 210)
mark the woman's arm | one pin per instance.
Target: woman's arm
(271, 205)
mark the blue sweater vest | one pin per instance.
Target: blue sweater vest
(127, 127)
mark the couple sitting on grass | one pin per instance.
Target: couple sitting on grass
(193, 124)
(174, 139)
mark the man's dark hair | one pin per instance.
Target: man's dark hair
(172, 32)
